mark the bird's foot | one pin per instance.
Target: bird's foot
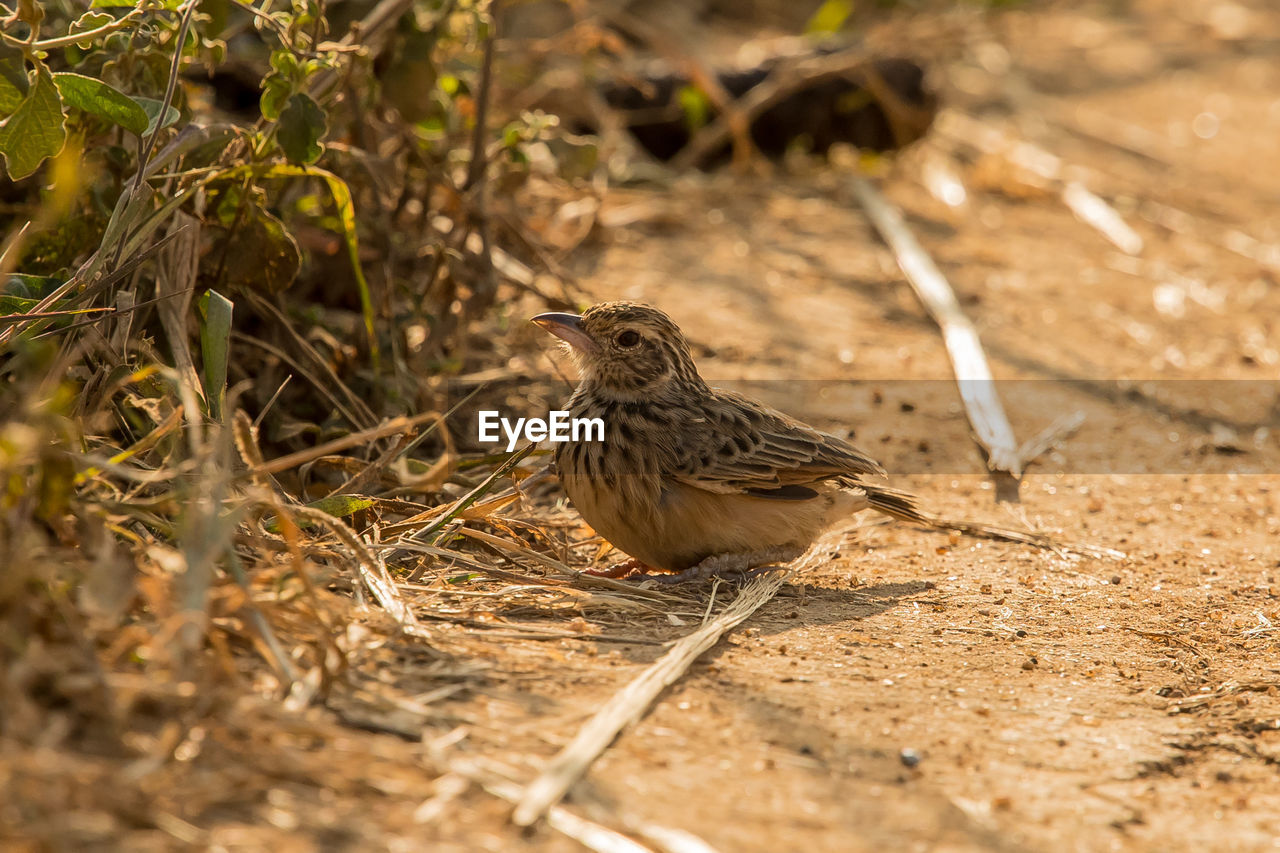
(621, 570)
(746, 564)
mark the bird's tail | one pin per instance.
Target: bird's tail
(903, 506)
(899, 504)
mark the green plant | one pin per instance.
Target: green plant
(168, 261)
(102, 105)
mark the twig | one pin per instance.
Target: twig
(1097, 126)
(373, 469)
(589, 834)
(85, 292)
(144, 153)
(503, 262)
(476, 169)
(629, 704)
(262, 414)
(391, 427)
(371, 567)
(368, 33)
(786, 79)
(364, 416)
(1166, 636)
(73, 38)
(510, 631)
(477, 510)
(733, 120)
(1051, 436)
(74, 312)
(276, 652)
(1201, 700)
(322, 387)
(1089, 207)
(9, 256)
(583, 578)
(457, 562)
(176, 275)
(474, 495)
(973, 375)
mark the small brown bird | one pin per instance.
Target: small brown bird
(690, 478)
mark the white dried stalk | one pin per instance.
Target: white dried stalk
(973, 375)
(630, 703)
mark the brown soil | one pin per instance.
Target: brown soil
(920, 691)
(1054, 705)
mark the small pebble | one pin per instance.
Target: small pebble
(909, 757)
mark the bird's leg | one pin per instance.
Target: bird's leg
(723, 564)
(621, 570)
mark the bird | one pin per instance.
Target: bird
(692, 480)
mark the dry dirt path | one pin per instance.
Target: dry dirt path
(1053, 705)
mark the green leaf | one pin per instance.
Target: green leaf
(27, 286)
(135, 218)
(95, 97)
(285, 63)
(36, 130)
(830, 17)
(341, 506)
(89, 21)
(338, 506)
(301, 127)
(695, 105)
(275, 91)
(215, 347)
(204, 145)
(13, 79)
(511, 135)
(576, 157)
(20, 296)
(57, 476)
(11, 305)
(129, 210)
(260, 253)
(346, 215)
(29, 12)
(56, 316)
(216, 50)
(152, 108)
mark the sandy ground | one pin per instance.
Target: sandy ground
(918, 691)
(922, 692)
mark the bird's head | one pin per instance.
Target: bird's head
(627, 350)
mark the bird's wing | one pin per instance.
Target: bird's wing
(747, 448)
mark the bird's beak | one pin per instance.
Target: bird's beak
(568, 328)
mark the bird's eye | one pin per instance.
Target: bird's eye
(627, 339)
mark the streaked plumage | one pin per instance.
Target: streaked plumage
(689, 474)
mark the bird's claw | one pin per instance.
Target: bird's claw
(625, 569)
(743, 566)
